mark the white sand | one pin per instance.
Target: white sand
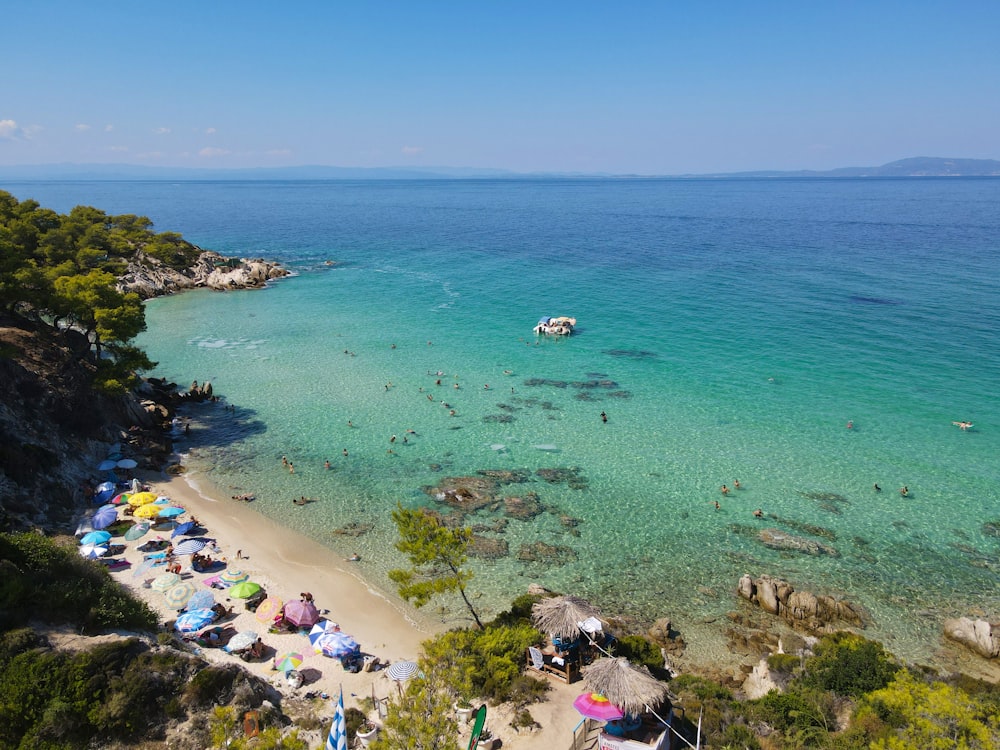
(286, 563)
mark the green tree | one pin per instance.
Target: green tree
(421, 719)
(437, 555)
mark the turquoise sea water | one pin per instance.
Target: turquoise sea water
(730, 330)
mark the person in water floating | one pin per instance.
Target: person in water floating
(904, 490)
(724, 490)
(758, 513)
(963, 426)
(604, 417)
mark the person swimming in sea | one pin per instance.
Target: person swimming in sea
(876, 487)
(904, 491)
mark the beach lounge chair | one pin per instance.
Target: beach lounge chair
(537, 662)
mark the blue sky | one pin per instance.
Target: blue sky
(666, 87)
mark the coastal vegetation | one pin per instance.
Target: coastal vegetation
(62, 269)
(437, 555)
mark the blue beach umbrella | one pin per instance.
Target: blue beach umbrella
(104, 516)
(183, 528)
(171, 512)
(92, 551)
(95, 537)
(107, 465)
(194, 620)
(201, 600)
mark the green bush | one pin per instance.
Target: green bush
(786, 663)
(639, 650)
(850, 665)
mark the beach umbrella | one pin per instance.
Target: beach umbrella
(141, 498)
(201, 600)
(177, 596)
(137, 531)
(194, 620)
(625, 685)
(95, 537)
(561, 615)
(287, 661)
(232, 576)
(244, 589)
(107, 465)
(120, 499)
(164, 581)
(301, 614)
(104, 517)
(143, 567)
(171, 512)
(127, 463)
(327, 638)
(401, 671)
(189, 547)
(269, 610)
(596, 706)
(104, 492)
(92, 551)
(243, 639)
(182, 529)
(146, 511)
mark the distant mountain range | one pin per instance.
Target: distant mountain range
(920, 166)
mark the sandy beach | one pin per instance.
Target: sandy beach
(286, 564)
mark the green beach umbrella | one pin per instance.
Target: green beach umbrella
(243, 590)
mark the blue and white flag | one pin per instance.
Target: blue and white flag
(338, 732)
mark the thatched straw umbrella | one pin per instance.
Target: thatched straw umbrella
(561, 615)
(627, 686)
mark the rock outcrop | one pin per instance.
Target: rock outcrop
(800, 608)
(150, 277)
(977, 635)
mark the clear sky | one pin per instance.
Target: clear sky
(666, 87)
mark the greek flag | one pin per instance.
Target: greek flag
(338, 732)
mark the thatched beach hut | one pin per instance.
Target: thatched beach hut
(561, 616)
(627, 686)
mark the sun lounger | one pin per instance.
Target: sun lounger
(537, 662)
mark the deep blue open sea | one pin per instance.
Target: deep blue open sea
(729, 329)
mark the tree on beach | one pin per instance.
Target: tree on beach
(436, 553)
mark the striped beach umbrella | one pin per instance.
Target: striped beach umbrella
(143, 567)
(177, 596)
(287, 661)
(189, 547)
(92, 551)
(164, 581)
(401, 671)
(232, 576)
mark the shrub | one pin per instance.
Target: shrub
(849, 664)
(640, 650)
(786, 663)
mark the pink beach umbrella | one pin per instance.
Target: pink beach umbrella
(596, 706)
(301, 614)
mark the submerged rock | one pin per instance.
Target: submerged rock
(547, 553)
(778, 539)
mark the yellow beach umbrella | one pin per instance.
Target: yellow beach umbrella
(141, 498)
(148, 511)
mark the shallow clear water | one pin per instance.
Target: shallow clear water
(732, 329)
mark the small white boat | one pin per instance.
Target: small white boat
(555, 326)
